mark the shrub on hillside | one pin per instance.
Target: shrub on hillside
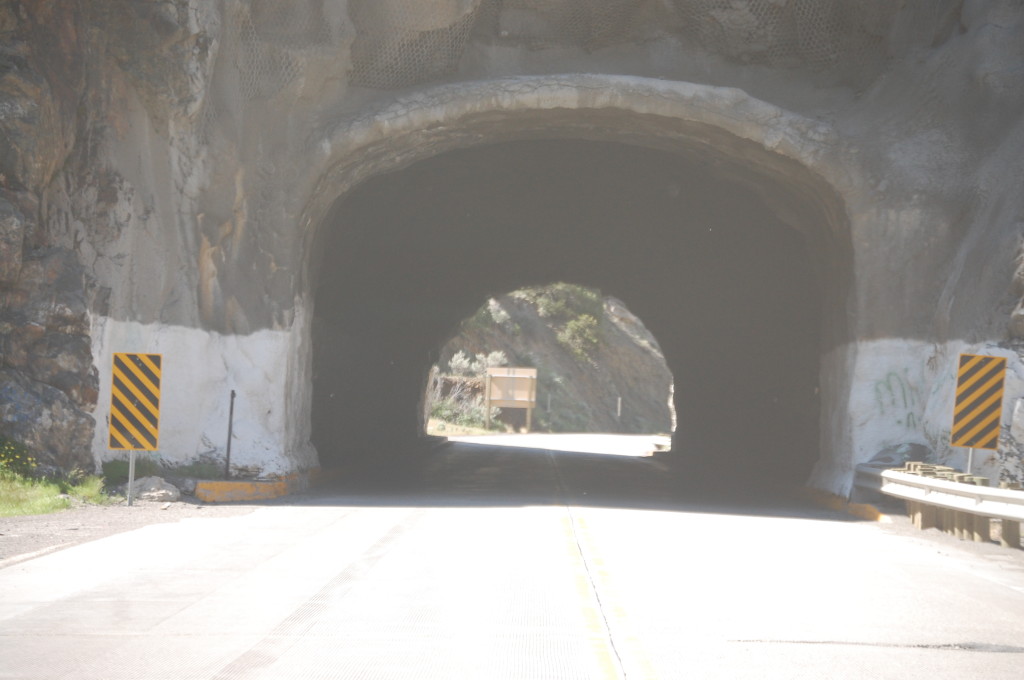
(580, 336)
(462, 364)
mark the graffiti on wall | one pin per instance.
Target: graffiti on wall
(898, 399)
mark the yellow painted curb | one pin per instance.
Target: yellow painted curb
(229, 491)
(840, 504)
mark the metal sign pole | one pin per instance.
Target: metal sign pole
(131, 474)
(970, 460)
(487, 401)
(231, 423)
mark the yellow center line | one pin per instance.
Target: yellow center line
(614, 621)
(605, 655)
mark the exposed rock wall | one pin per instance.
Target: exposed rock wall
(48, 384)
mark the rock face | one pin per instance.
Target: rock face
(179, 176)
(47, 377)
(50, 383)
(12, 236)
(46, 420)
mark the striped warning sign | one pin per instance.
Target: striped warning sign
(978, 410)
(135, 402)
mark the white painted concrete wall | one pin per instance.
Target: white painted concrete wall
(902, 393)
(199, 370)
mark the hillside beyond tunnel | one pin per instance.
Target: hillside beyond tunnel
(733, 294)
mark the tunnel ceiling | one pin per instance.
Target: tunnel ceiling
(728, 288)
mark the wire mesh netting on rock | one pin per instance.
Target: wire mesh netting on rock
(588, 24)
(402, 43)
(267, 43)
(812, 33)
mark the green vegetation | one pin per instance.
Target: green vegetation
(575, 312)
(23, 494)
(15, 458)
(462, 412)
(581, 336)
(563, 301)
(20, 496)
(462, 364)
(457, 398)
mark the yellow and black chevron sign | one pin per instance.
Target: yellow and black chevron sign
(978, 410)
(135, 402)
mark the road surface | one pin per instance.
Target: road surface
(511, 563)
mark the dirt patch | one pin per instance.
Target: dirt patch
(30, 536)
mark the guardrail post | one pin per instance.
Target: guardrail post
(949, 520)
(961, 519)
(981, 529)
(927, 516)
(1011, 534)
(916, 512)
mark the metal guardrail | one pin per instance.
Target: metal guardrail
(867, 482)
(943, 498)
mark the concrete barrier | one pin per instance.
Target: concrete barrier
(242, 490)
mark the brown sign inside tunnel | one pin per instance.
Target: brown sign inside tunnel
(135, 402)
(979, 401)
(511, 388)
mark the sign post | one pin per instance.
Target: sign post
(978, 408)
(135, 406)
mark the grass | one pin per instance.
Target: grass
(26, 496)
(22, 493)
(19, 496)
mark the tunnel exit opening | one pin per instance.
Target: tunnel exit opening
(561, 358)
(732, 285)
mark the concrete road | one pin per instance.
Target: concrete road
(505, 563)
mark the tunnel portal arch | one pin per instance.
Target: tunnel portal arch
(758, 261)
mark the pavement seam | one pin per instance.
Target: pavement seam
(619, 666)
(951, 647)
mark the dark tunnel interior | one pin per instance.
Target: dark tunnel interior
(730, 291)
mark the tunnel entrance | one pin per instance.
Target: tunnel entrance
(728, 282)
